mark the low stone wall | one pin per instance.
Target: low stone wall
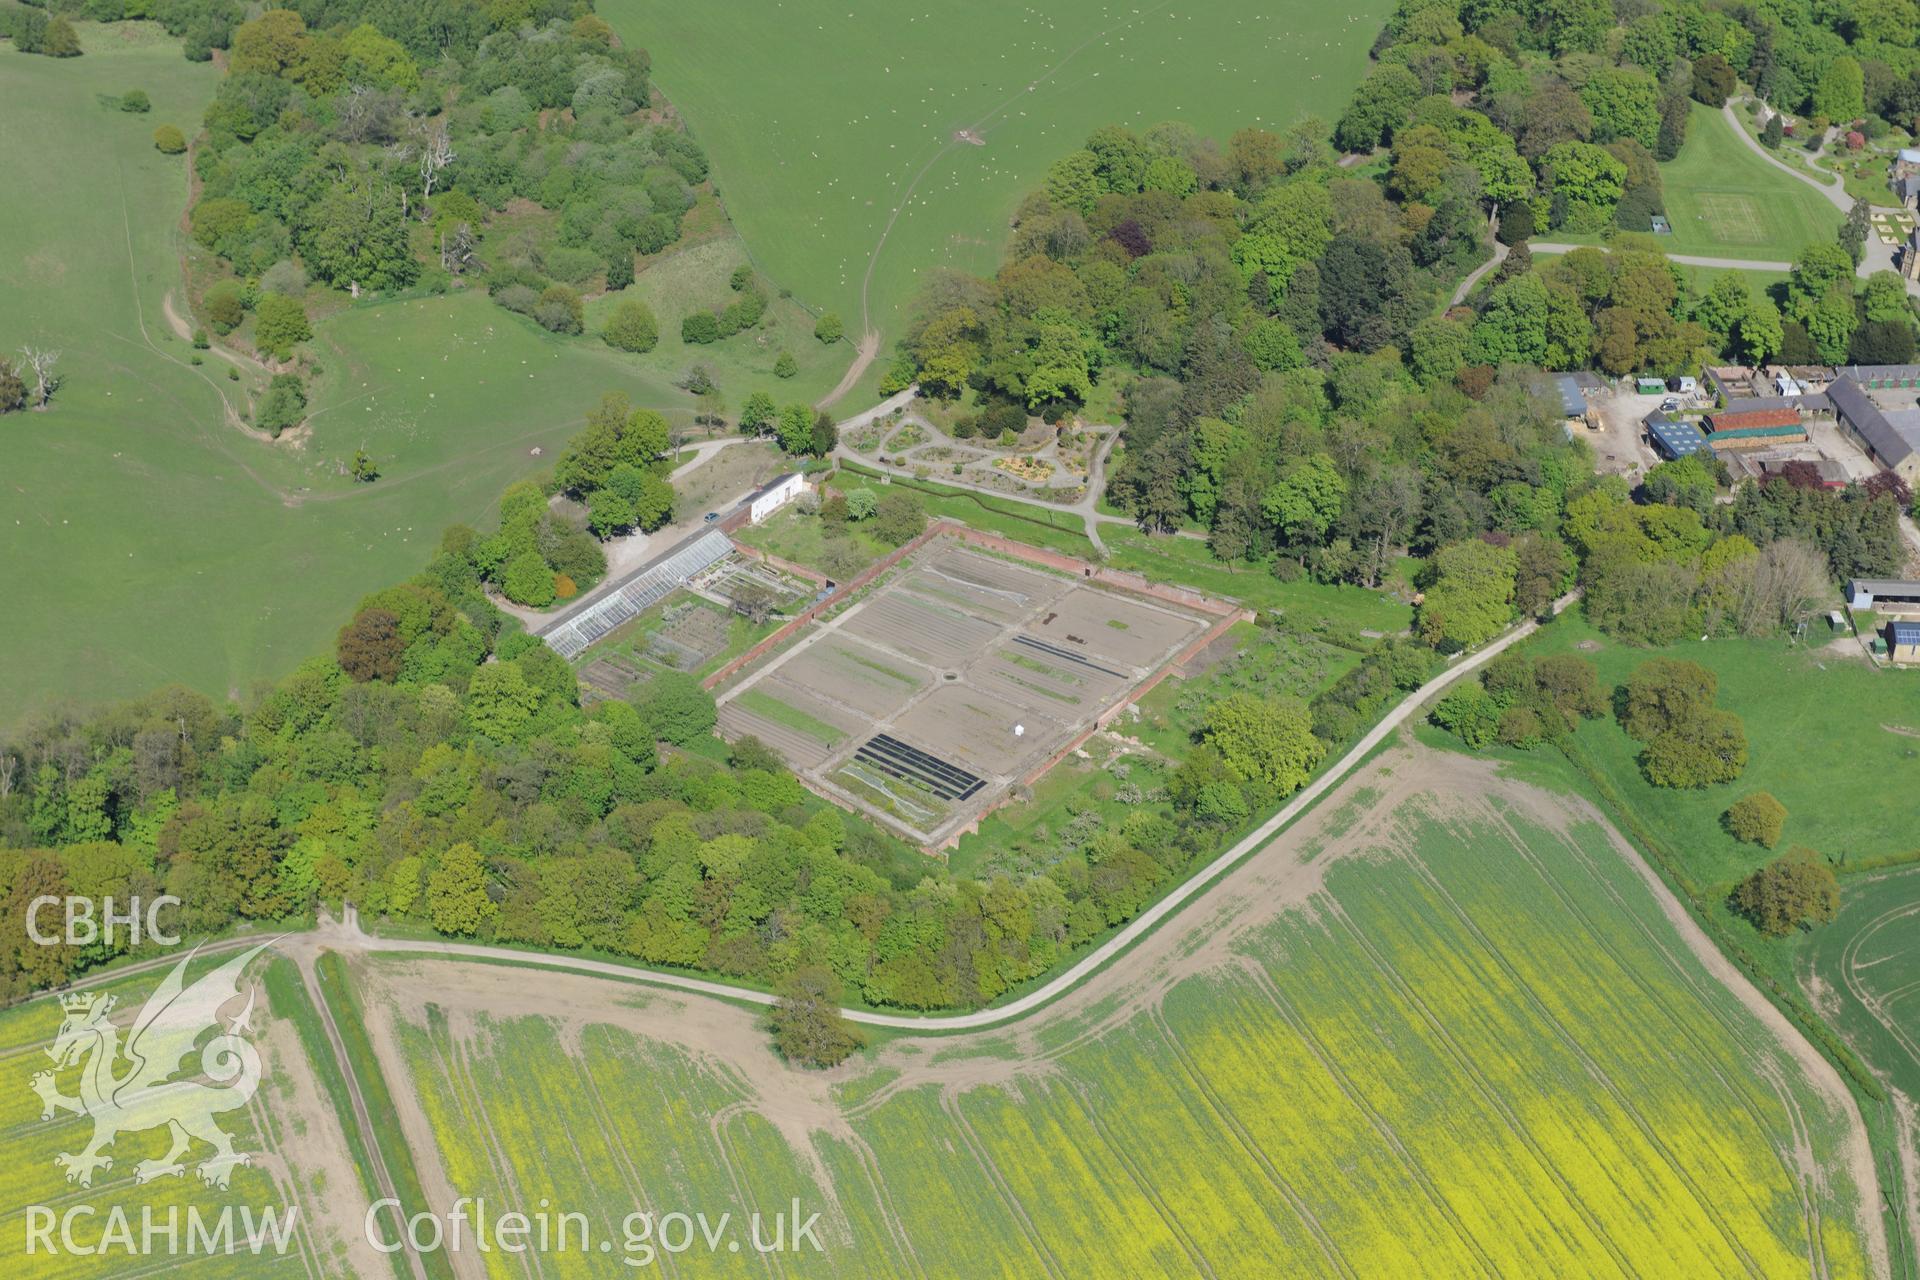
(785, 566)
(1173, 666)
(1119, 579)
(840, 594)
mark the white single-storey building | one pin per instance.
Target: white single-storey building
(776, 495)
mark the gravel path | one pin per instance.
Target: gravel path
(1685, 259)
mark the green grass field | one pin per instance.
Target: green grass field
(1828, 735)
(1480, 1048)
(695, 279)
(147, 539)
(1341, 610)
(850, 189)
(1725, 201)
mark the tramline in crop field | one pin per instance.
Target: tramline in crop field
(1457, 1033)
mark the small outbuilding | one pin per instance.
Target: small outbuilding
(1903, 642)
(776, 495)
(1648, 385)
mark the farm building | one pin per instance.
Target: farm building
(1891, 438)
(1757, 437)
(1830, 474)
(1573, 398)
(776, 495)
(1903, 641)
(1731, 419)
(1672, 438)
(1884, 595)
(1755, 428)
(1648, 385)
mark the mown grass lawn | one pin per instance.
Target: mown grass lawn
(1724, 201)
(1306, 605)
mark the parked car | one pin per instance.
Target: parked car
(1670, 404)
(712, 516)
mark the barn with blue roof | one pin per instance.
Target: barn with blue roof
(1673, 437)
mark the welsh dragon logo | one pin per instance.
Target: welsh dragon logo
(127, 1088)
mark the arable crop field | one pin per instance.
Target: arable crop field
(1447, 1026)
(925, 124)
(1862, 971)
(300, 1167)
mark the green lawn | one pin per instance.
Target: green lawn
(1311, 606)
(861, 174)
(805, 539)
(1725, 201)
(1057, 530)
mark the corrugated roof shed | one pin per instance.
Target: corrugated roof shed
(1885, 586)
(1812, 402)
(1672, 437)
(1883, 375)
(1783, 431)
(1572, 398)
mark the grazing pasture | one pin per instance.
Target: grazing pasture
(922, 126)
(145, 536)
(1444, 1028)
(1828, 735)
